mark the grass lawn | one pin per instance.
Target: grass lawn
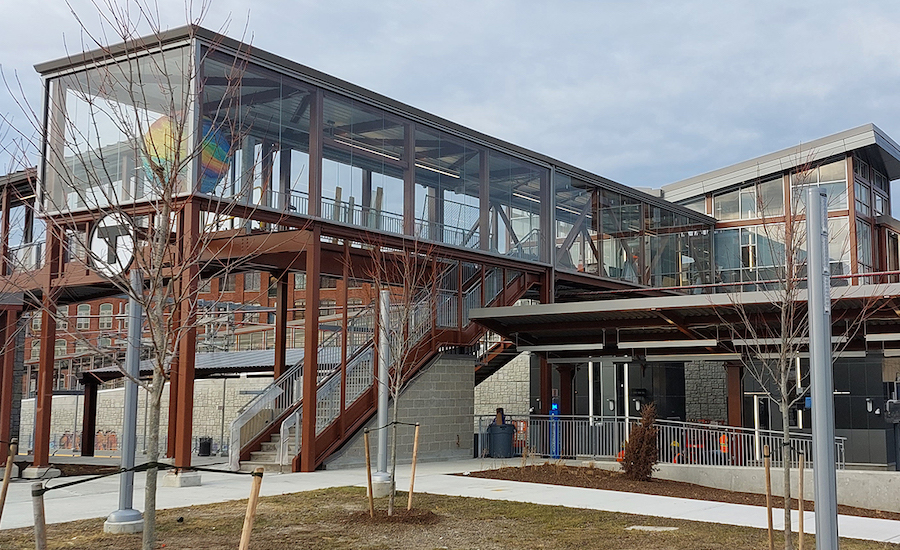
(337, 519)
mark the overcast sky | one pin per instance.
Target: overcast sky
(645, 93)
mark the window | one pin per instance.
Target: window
(327, 282)
(863, 199)
(60, 348)
(251, 281)
(205, 286)
(880, 181)
(124, 318)
(861, 169)
(228, 283)
(832, 177)
(299, 309)
(35, 348)
(327, 307)
(81, 346)
(273, 287)
(62, 317)
(757, 200)
(697, 205)
(35, 321)
(879, 205)
(83, 322)
(864, 246)
(299, 281)
(106, 317)
(104, 343)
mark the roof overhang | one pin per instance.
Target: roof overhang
(685, 326)
(868, 137)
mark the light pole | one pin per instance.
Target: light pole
(822, 382)
(126, 519)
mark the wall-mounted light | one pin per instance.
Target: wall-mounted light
(869, 405)
(637, 405)
(611, 404)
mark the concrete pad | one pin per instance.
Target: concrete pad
(40, 473)
(14, 472)
(181, 479)
(123, 527)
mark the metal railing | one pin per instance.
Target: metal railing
(678, 442)
(286, 391)
(26, 257)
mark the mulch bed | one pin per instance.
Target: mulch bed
(596, 478)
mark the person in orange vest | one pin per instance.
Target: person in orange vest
(723, 443)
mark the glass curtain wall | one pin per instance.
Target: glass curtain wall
(678, 250)
(448, 184)
(622, 221)
(363, 166)
(576, 228)
(254, 142)
(515, 195)
(108, 141)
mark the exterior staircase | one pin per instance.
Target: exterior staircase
(264, 433)
(267, 457)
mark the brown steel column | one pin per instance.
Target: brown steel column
(409, 180)
(89, 418)
(4, 232)
(345, 323)
(735, 394)
(188, 345)
(546, 374)
(10, 320)
(46, 358)
(281, 319)
(310, 353)
(173, 405)
(316, 106)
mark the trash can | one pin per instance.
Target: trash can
(501, 440)
(205, 446)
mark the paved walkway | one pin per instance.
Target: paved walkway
(99, 498)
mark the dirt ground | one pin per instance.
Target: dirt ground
(337, 519)
(596, 478)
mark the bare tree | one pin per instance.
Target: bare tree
(411, 275)
(125, 151)
(772, 344)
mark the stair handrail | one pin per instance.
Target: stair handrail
(283, 393)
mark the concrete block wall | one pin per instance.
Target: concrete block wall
(508, 388)
(441, 399)
(869, 489)
(706, 391)
(68, 410)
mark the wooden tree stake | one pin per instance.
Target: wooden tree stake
(13, 449)
(251, 509)
(369, 474)
(800, 499)
(412, 477)
(767, 462)
(40, 522)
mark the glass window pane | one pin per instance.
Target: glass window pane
(727, 206)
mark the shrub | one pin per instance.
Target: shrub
(641, 452)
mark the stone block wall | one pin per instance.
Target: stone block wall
(18, 376)
(509, 388)
(68, 411)
(706, 391)
(441, 399)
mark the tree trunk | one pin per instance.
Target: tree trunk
(393, 456)
(786, 460)
(156, 391)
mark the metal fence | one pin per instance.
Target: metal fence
(678, 442)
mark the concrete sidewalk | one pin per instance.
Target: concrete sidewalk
(97, 499)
